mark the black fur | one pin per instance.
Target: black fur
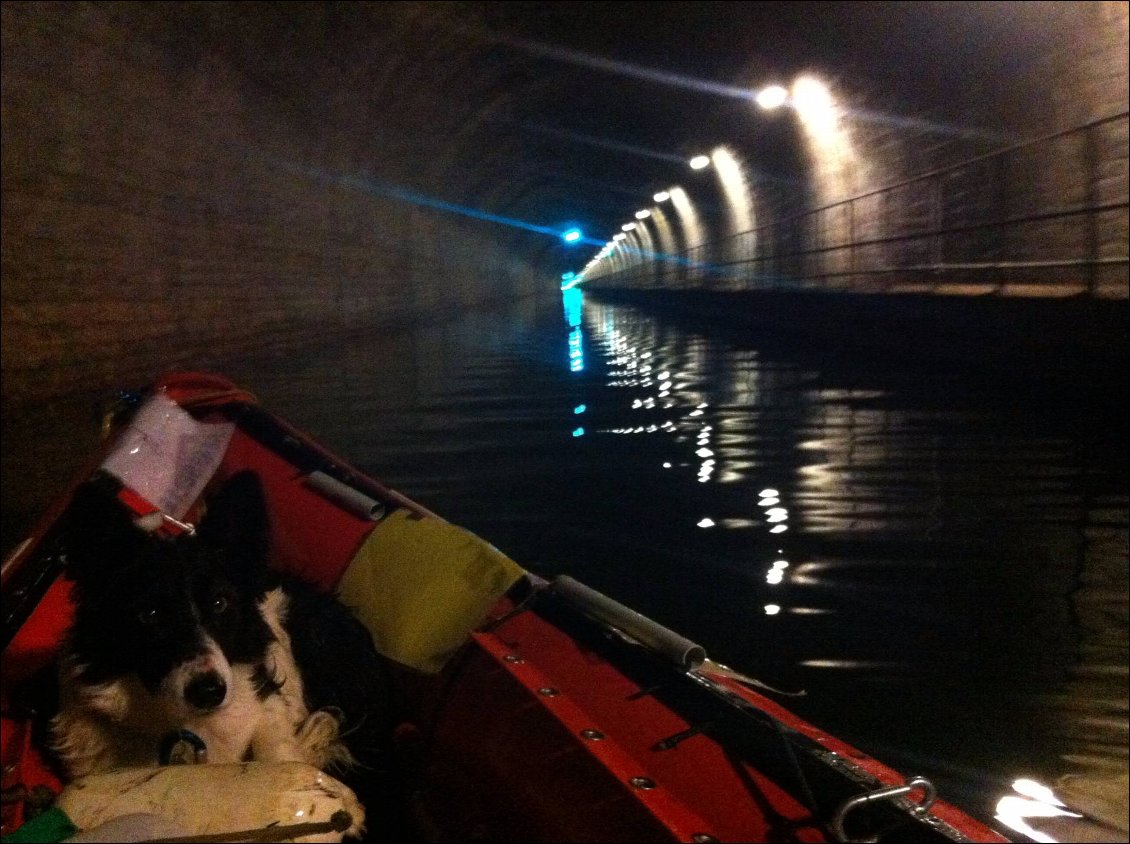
(142, 601)
(143, 604)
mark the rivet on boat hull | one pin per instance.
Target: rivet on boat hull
(513, 658)
(592, 735)
(642, 782)
(548, 691)
(704, 838)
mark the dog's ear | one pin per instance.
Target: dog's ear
(236, 521)
(98, 530)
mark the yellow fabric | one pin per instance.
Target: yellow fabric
(421, 585)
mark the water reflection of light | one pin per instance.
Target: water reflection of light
(772, 609)
(580, 408)
(576, 353)
(578, 432)
(573, 301)
(739, 524)
(664, 387)
(776, 573)
(1037, 791)
(1037, 801)
(774, 515)
(820, 475)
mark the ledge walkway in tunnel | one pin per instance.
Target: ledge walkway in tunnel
(975, 264)
(1075, 342)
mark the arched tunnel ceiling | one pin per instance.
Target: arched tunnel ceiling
(552, 113)
(185, 184)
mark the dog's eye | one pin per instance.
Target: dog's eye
(147, 616)
(219, 604)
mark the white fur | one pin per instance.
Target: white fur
(120, 723)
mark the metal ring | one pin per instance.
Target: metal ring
(929, 796)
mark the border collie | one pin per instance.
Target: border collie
(195, 633)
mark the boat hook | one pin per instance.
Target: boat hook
(930, 794)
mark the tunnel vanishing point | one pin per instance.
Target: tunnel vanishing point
(184, 181)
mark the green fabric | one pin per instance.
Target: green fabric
(53, 825)
(421, 585)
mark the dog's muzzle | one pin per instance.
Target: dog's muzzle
(206, 691)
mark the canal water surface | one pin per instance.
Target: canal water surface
(938, 561)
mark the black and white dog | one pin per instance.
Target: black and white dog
(196, 634)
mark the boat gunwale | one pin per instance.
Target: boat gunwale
(33, 560)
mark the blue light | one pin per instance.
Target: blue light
(579, 409)
(573, 301)
(567, 276)
(580, 432)
(576, 354)
(571, 235)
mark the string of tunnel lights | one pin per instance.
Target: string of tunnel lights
(774, 515)
(768, 98)
(1029, 800)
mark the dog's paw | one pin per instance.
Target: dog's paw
(319, 740)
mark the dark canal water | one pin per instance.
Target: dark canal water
(939, 561)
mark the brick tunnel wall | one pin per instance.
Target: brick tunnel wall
(1015, 73)
(172, 197)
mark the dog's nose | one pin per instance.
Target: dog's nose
(206, 691)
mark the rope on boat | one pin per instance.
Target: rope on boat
(339, 821)
(709, 666)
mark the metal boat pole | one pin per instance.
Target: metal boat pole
(678, 649)
(349, 499)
